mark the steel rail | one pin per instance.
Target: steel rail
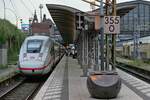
(137, 72)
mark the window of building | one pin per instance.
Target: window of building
(141, 10)
(146, 10)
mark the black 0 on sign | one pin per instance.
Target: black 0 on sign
(111, 28)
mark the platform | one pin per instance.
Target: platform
(7, 72)
(66, 83)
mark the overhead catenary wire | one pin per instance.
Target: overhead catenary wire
(26, 7)
(32, 4)
(15, 10)
(91, 3)
(12, 5)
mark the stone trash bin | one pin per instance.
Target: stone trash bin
(104, 85)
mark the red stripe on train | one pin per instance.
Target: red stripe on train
(33, 68)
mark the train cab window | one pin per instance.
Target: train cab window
(34, 46)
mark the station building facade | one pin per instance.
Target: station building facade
(137, 20)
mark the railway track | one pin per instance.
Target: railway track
(10, 83)
(23, 90)
(137, 72)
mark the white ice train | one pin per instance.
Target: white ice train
(38, 54)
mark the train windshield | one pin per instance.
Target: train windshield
(34, 46)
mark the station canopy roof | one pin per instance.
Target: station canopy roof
(64, 18)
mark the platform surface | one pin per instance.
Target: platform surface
(66, 83)
(7, 72)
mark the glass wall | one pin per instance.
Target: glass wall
(137, 20)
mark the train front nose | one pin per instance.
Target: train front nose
(32, 67)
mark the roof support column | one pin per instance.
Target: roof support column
(96, 67)
(93, 50)
(90, 51)
(79, 50)
(85, 53)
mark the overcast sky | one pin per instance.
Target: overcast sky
(24, 9)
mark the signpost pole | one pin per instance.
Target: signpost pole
(107, 40)
(113, 38)
(112, 26)
(102, 34)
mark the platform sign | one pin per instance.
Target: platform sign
(25, 27)
(112, 24)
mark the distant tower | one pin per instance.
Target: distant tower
(35, 19)
(41, 7)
